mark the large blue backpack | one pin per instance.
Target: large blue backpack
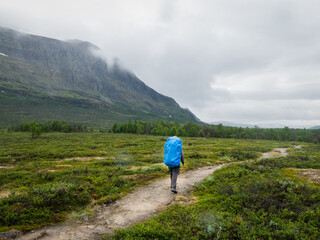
(172, 152)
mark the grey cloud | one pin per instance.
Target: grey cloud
(247, 60)
(259, 112)
(300, 92)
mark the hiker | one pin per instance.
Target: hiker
(173, 156)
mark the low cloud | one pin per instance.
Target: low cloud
(248, 61)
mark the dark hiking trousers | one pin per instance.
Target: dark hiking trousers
(174, 172)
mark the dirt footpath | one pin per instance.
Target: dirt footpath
(135, 207)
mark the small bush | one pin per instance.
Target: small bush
(243, 201)
(40, 204)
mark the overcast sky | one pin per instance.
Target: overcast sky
(245, 61)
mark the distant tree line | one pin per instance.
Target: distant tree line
(36, 128)
(191, 129)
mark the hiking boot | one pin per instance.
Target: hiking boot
(174, 190)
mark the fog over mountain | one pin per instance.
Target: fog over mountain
(43, 78)
(255, 62)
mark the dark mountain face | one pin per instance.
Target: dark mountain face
(315, 127)
(43, 78)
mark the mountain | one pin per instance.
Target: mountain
(243, 125)
(195, 117)
(315, 127)
(231, 124)
(43, 78)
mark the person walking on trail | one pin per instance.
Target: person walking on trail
(173, 157)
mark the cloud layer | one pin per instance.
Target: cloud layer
(244, 61)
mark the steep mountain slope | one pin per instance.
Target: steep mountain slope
(43, 78)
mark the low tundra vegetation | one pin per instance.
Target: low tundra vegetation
(253, 200)
(50, 176)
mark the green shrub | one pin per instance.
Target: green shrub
(239, 155)
(243, 201)
(40, 204)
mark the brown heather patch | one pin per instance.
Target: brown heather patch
(270, 154)
(4, 193)
(84, 158)
(186, 199)
(152, 155)
(6, 167)
(311, 175)
(59, 167)
(131, 177)
(134, 168)
(276, 152)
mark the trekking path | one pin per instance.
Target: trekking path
(136, 207)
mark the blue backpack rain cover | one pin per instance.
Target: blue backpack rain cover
(172, 152)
